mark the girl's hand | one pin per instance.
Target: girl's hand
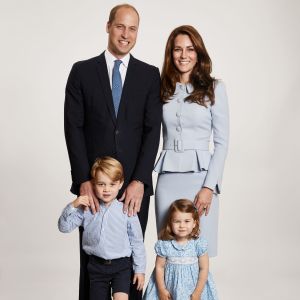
(196, 296)
(164, 294)
(81, 201)
(139, 280)
(203, 200)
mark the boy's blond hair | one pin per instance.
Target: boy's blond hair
(110, 167)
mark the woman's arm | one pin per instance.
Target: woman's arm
(202, 278)
(220, 127)
(163, 293)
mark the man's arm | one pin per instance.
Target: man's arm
(151, 132)
(74, 134)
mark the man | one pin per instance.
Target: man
(112, 107)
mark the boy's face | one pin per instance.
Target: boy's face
(106, 189)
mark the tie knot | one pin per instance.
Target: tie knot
(117, 63)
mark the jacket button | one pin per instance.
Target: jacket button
(178, 114)
(178, 128)
(117, 132)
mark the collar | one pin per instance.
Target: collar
(103, 206)
(185, 87)
(183, 247)
(110, 59)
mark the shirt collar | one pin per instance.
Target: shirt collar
(103, 206)
(180, 247)
(187, 88)
(110, 59)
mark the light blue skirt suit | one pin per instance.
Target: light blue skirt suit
(195, 142)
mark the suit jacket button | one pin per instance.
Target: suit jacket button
(117, 132)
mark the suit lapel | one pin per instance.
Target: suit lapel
(128, 86)
(104, 80)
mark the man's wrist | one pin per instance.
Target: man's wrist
(206, 187)
(138, 181)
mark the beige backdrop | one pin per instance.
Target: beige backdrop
(255, 49)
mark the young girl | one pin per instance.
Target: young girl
(181, 267)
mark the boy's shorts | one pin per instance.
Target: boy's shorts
(106, 274)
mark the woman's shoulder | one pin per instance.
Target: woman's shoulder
(220, 95)
(219, 85)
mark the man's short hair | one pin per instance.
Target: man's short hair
(114, 10)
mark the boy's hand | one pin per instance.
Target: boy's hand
(139, 280)
(81, 201)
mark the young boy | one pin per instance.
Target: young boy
(110, 237)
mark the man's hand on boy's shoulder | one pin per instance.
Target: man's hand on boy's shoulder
(139, 280)
(133, 196)
(86, 189)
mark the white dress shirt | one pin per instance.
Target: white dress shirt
(110, 62)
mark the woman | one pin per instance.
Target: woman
(195, 108)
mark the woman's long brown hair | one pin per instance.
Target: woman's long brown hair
(200, 77)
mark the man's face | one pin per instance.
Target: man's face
(122, 32)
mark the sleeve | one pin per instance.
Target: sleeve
(70, 218)
(201, 246)
(137, 245)
(151, 132)
(74, 124)
(220, 127)
(160, 248)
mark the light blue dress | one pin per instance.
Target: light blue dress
(181, 270)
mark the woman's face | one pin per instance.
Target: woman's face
(184, 55)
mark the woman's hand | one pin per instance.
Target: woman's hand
(203, 200)
(81, 201)
(164, 294)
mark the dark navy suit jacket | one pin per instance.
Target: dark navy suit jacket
(92, 130)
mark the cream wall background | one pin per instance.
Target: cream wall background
(254, 46)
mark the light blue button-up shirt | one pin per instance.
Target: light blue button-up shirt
(109, 233)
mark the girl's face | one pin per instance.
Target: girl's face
(182, 225)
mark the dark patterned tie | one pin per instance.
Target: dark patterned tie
(116, 85)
